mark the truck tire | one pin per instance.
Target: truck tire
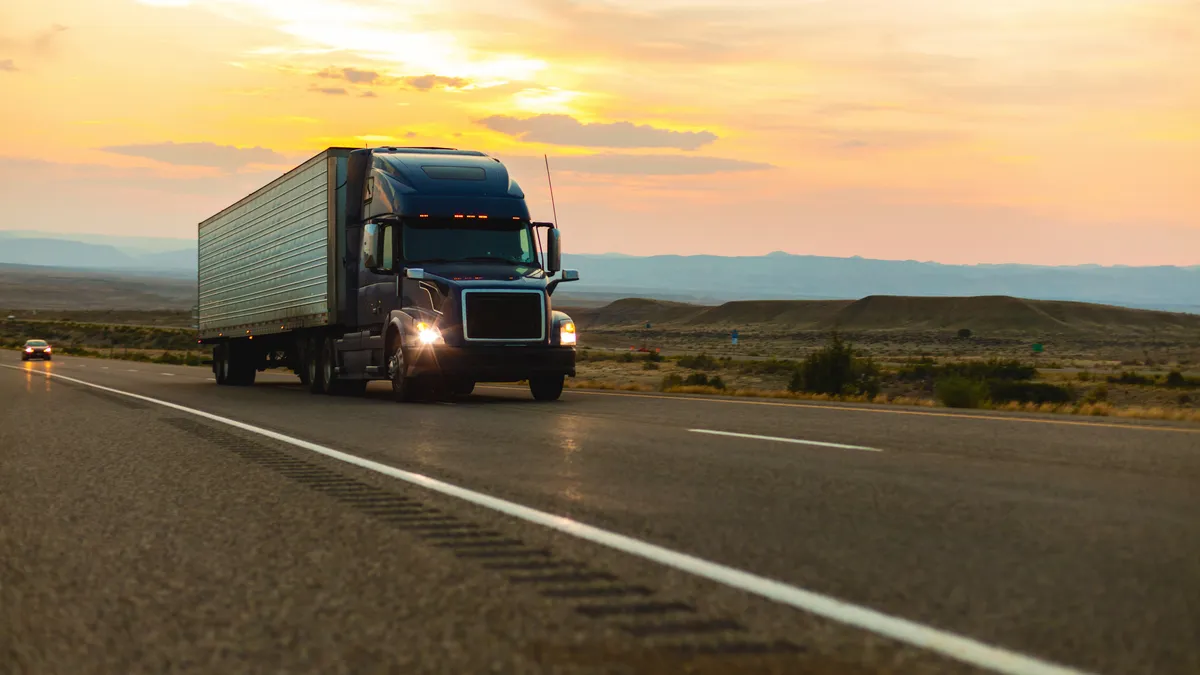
(299, 355)
(404, 389)
(313, 363)
(461, 388)
(547, 387)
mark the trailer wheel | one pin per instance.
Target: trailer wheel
(299, 356)
(546, 387)
(221, 364)
(404, 389)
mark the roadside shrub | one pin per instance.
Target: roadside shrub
(670, 382)
(767, 367)
(649, 365)
(1175, 379)
(955, 391)
(1097, 394)
(701, 361)
(716, 382)
(653, 357)
(1029, 392)
(627, 357)
(1130, 377)
(964, 333)
(696, 380)
(836, 370)
(1184, 399)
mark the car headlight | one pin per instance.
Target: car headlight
(427, 334)
(567, 334)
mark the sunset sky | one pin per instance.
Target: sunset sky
(961, 131)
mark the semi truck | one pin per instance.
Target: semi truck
(416, 265)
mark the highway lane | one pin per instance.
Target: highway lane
(1073, 543)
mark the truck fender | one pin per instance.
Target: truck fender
(399, 323)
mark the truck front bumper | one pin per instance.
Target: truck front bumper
(491, 364)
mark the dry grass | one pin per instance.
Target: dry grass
(1074, 409)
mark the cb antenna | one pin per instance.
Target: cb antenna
(553, 208)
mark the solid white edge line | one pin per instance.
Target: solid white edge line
(780, 439)
(957, 647)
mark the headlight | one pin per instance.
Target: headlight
(428, 335)
(47, 350)
(566, 333)
(29, 350)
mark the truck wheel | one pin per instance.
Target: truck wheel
(546, 387)
(299, 355)
(313, 358)
(404, 389)
(461, 388)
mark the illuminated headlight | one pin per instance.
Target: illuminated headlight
(428, 335)
(566, 333)
(29, 350)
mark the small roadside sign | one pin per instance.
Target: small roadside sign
(1038, 348)
(734, 337)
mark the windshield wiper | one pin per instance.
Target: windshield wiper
(492, 258)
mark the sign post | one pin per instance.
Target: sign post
(734, 337)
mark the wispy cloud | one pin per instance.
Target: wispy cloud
(616, 164)
(566, 130)
(8, 66)
(225, 157)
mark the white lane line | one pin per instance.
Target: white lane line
(778, 439)
(132, 370)
(168, 374)
(957, 647)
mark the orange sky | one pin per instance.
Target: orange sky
(1041, 131)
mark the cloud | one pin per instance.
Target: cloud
(45, 40)
(7, 66)
(566, 130)
(226, 157)
(369, 94)
(352, 75)
(427, 82)
(331, 91)
(655, 165)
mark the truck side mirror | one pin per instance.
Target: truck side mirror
(377, 247)
(553, 251)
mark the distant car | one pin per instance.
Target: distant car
(35, 349)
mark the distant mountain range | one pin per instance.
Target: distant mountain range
(707, 279)
(168, 257)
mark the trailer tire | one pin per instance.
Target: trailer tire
(547, 387)
(299, 357)
(221, 364)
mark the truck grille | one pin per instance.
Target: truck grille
(500, 315)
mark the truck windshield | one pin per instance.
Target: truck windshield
(461, 240)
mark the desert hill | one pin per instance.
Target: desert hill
(991, 314)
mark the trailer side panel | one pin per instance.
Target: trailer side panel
(264, 263)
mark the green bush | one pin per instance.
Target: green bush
(836, 370)
(995, 369)
(1097, 394)
(955, 391)
(1001, 391)
(696, 380)
(1130, 377)
(670, 382)
(701, 361)
(1176, 380)
(767, 367)
(649, 365)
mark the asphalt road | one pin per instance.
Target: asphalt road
(138, 537)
